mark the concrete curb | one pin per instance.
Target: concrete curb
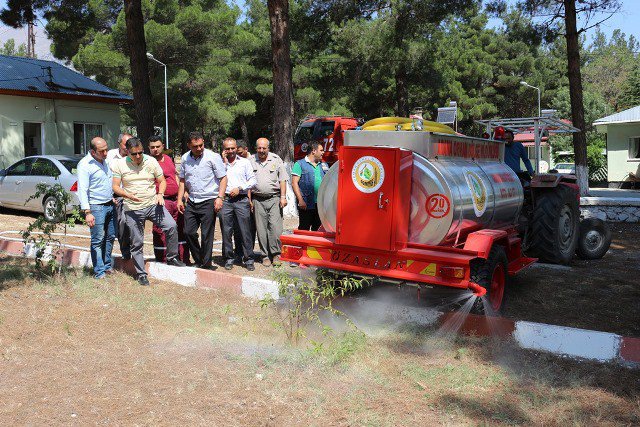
(559, 340)
(185, 276)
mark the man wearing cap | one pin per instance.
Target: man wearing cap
(96, 201)
(139, 174)
(268, 198)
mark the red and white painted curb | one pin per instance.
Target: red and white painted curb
(185, 276)
(559, 340)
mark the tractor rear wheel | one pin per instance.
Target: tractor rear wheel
(553, 229)
(491, 274)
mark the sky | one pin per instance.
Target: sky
(626, 20)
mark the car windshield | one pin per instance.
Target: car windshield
(304, 133)
(71, 165)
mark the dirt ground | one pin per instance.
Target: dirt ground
(76, 351)
(602, 295)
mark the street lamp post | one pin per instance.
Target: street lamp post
(166, 104)
(536, 128)
(523, 83)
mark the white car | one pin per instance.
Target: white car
(18, 182)
(566, 168)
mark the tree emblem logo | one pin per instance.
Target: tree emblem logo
(478, 193)
(367, 174)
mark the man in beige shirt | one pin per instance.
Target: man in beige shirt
(138, 174)
(269, 197)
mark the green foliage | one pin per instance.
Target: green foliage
(9, 48)
(41, 233)
(302, 300)
(367, 59)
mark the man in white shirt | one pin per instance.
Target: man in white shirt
(236, 211)
(124, 237)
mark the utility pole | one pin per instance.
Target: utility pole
(31, 41)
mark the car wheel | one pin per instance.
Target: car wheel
(50, 208)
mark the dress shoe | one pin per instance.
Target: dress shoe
(229, 264)
(176, 262)
(266, 262)
(143, 280)
(251, 267)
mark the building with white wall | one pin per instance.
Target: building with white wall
(47, 108)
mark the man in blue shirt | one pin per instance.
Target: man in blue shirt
(96, 201)
(204, 177)
(513, 152)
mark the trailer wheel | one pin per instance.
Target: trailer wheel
(553, 231)
(491, 274)
(594, 240)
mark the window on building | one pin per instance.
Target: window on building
(634, 148)
(83, 133)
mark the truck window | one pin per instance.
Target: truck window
(326, 129)
(304, 133)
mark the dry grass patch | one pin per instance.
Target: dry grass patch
(86, 351)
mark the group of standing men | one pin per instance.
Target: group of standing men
(122, 188)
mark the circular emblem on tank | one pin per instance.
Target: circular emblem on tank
(304, 147)
(478, 192)
(438, 206)
(367, 174)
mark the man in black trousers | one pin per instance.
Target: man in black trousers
(203, 176)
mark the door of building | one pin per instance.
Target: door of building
(32, 139)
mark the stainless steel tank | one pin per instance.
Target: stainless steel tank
(448, 195)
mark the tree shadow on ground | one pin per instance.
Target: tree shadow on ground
(484, 408)
(12, 273)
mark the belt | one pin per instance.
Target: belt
(109, 203)
(238, 197)
(172, 198)
(264, 196)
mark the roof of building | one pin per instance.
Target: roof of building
(47, 79)
(627, 116)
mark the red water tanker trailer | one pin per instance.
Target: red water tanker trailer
(427, 208)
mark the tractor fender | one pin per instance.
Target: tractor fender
(483, 240)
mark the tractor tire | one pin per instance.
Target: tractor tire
(492, 275)
(594, 240)
(553, 232)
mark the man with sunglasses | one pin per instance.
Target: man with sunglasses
(96, 201)
(139, 174)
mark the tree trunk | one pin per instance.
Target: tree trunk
(402, 93)
(400, 75)
(575, 92)
(244, 130)
(139, 69)
(283, 113)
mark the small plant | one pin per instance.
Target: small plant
(41, 233)
(302, 300)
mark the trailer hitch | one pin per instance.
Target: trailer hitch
(477, 290)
